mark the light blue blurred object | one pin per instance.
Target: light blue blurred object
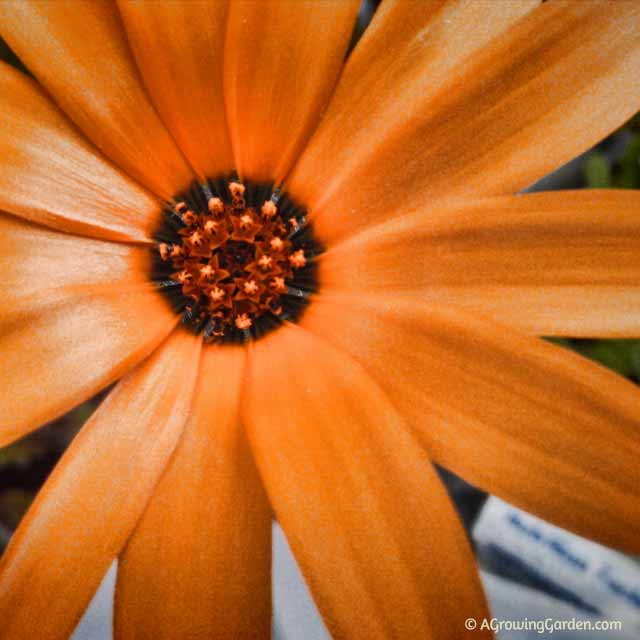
(536, 544)
(586, 580)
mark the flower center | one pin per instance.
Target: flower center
(235, 259)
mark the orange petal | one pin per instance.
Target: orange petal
(469, 98)
(543, 428)
(199, 562)
(58, 355)
(178, 47)
(90, 504)
(364, 512)
(40, 267)
(52, 175)
(282, 60)
(561, 263)
(78, 50)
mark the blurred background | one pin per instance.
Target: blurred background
(530, 568)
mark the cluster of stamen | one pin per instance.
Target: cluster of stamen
(234, 258)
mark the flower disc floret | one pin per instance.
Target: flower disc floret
(235, 259)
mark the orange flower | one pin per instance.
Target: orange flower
(416, 344)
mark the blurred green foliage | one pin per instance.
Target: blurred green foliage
(597, 173)
(621, 173)
(622, 356)
(618, 170)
